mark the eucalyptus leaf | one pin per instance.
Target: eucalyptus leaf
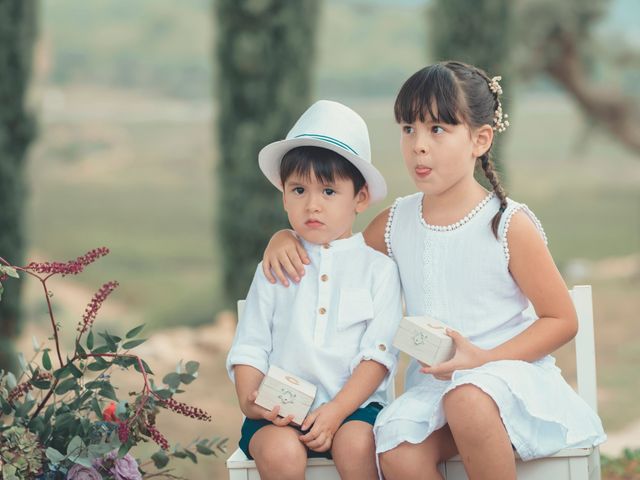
(134, 331)
(160, 459)
(192, 367)
(54, 455)
(133, 343)
(46, 360)
(89, 341)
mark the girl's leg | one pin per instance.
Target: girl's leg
(483, 442)
(419, 461)
(354, 451)
(278, 453)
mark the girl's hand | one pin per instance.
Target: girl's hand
(467, 356)
(271, 415)
(284, 251)
(326, 420)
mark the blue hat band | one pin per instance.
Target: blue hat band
(328, 139)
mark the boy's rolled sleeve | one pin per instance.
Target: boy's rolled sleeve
(377, 341)
(252, 343)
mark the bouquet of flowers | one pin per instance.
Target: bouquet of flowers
(62, 418)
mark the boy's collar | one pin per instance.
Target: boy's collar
(354, 241)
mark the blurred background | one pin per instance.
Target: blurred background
(142, 121)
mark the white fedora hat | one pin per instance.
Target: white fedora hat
(335, 127)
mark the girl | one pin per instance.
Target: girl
(472, 259)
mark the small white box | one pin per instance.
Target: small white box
(293, 394)
(424, 338)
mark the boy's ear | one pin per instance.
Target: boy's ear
(482, 139)
(362, 199)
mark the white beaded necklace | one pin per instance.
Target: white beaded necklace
(459, 223)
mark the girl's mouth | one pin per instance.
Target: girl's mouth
(423, 172)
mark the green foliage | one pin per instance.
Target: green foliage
(64, 414)
(264, 51)
(624, 467)
(17, 36)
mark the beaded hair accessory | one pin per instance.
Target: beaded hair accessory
(500, 122)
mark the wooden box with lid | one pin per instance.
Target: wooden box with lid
(424, 338)
(294, 394)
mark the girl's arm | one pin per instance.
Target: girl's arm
(285, 257)
(535, 272)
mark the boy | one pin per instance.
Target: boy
(335, 328)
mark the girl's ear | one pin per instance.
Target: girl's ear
(362, 199)
(482, 138)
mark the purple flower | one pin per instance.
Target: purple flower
(125, 468)
(79, 472)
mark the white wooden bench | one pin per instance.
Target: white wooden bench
(569, 464)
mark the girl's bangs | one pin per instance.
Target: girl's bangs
(430, 94)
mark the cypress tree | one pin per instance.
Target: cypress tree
(265, 52)
(476, 32)
(18, 20)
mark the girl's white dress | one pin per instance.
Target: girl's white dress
(459, 275)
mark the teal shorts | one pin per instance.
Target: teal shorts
(367, 414)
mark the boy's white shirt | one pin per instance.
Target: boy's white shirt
(284, 326)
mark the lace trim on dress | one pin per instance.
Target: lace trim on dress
(387, 228)
(459, 223)
(507, 221)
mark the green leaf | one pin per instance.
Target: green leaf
(80, 351)
(75, 446)
(1, 290)
(179, 454)
(95, 384)
(204, 450)
(145, 365)
(46, 360)
(101, 349)
(191, 455)
(95, 406)
(186, 378)
(66, 385)
(42, 383)
(192, 367)
(134, 331)
(54, 455)
(90, 340)
(133, 343)
(124, 448)
(75, 371)
(172, 379)
(160, 459)
(98, 364)
(12, 272)
(35, 343)
(6, 407)
(108, 392)
(22, 361)
(62, 372)
(23, 409)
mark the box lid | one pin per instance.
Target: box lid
(292, 380)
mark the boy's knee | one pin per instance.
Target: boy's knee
(287, 455)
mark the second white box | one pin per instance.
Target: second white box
(294, 394)
(424, 338)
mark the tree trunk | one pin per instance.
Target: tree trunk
(18, 20)
(265, 53)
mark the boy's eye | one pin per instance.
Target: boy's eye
(437, 129)
(329, 191)
(407, 129)
(298, 190)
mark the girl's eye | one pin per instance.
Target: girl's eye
(298, 190)
(407, 129)
(329, 191)
(437, 129)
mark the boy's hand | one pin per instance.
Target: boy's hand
(284, 251)
(324, 422)
(467, 356)
(271, 415)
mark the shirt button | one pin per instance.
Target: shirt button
(322, 310)
(382, 347)
(324, 278)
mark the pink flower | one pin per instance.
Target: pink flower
(94, 305)
(109, 413)
(126, 468)
(78, 472)
(72, 267)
